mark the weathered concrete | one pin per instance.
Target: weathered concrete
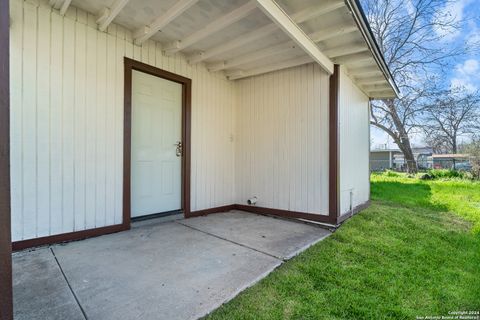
(39, 288)
(165, 271)
(278, 237)
(160, 270)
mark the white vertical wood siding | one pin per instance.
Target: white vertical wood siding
(67, 122)
(354, 144)
(282, 140)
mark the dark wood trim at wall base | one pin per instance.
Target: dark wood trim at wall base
(6, 299)
(284, 213)
(90, 233)
(354, 211)
(205, 212)
(66, 237)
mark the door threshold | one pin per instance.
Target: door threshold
(156, 215)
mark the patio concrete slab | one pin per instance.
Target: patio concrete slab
(277, 237)
(163, 271)
(39, 288)
(180, 269)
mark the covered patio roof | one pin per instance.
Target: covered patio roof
(247, 38)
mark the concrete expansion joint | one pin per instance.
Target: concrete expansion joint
(228, 240)
(68, 284)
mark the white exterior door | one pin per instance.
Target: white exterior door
(156, 172)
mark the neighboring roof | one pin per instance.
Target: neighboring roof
(385, 150)
(450, 156)
(245, 38)
(414, 149)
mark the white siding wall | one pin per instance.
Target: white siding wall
(67, 122)
(354, 144)
(282, 140)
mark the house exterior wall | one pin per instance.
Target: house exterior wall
(67, 122)
(354, 135)
(265, 136)
(282, 140)
(380, 160)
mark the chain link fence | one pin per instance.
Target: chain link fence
(378, 165)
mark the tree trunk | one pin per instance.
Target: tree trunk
(403, 141)
(454, 151)
(409, 158)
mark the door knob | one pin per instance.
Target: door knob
(179, 149)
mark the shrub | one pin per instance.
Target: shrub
(473, 149)
(446, 174)
(390, 173)
(427, 176)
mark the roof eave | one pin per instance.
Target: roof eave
(364, 27)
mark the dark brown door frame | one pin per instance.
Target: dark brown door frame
(6, 300)
(186, 83)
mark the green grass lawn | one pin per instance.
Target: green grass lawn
(414, 252)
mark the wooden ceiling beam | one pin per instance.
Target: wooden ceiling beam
(253, 56)
(345, 50)
(354, 58)
(332, 32)
(284, 22)
(211, 28)
(56, 4)
(237, 74)
(363, 71)
(108, 14)
(317, 11)
(370, 81)
(234, 43)
(264, 31)
(146, 32)
(64, 7)
(376, 87)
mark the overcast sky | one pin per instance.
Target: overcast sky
(465, 71)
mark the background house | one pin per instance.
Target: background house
(450, 161)
(382, 159)
(393, 159)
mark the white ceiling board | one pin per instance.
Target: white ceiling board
(338, 17)
(198, 16)
(272, 60)
(254, 21)
(272, 66)
(146, 32)
(140, 13)
(92, 6)
(256, 45)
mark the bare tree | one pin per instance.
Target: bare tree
(409, 34)
(399, 119)
(438, 144)
(473, 149)
(451, 115)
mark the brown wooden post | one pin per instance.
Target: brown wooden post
(334, 148)
(6, 300)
